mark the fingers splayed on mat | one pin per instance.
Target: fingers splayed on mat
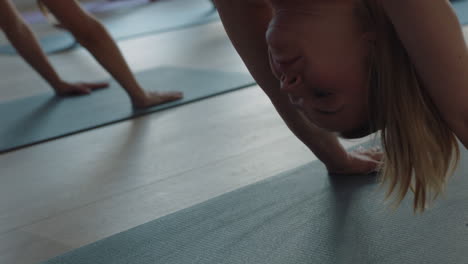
(359, 161)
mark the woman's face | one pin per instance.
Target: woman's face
(318, 53)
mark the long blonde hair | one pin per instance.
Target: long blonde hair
(420, 150)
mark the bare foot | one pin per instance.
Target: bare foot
(157, 98)
(80, 88)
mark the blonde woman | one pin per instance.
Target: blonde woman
(92, 35)
(352, 67)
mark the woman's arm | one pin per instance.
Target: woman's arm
(246, 22)
(433, 37)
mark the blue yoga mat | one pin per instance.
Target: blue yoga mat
(461, 8)
(44, 117)
(303, 216)
(161, 16)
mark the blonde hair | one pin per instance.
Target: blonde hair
(420, 150)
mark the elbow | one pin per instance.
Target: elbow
(464, 137)
(464, 141)
(462, 132)
(460, 129)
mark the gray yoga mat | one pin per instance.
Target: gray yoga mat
(44, 117)
(157, 17)
(301, 216)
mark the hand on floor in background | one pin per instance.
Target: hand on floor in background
(156, 98)
(79, 88)
(359, 161)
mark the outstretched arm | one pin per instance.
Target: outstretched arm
(436, 46)
(246, 22)
(92, 35)
(26, 44)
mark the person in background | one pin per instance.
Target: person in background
(93, 36)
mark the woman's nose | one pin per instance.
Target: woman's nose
(291, 84)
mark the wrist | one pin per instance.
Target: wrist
(332, 154)
(139, 98)
(337, 164)
(56, 83)
(327, 148)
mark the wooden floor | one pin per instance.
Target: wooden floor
(70, 192)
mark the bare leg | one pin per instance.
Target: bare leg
(26, 44)
(92, 35)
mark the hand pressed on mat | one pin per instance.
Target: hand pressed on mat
(360, 161)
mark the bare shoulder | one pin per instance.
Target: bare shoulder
(438, 49)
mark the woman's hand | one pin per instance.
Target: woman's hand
(360, 161)
(80, 88)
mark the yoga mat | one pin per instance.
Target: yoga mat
(157, 17)
(44, 117)
(461, 8)
(301, 216)
(50, 44)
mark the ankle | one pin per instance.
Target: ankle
(139, 99)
